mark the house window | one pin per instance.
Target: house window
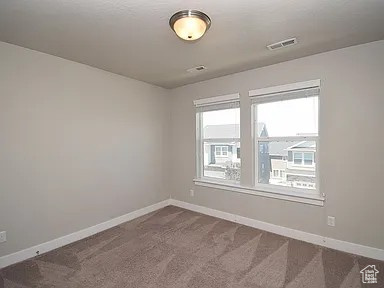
(275, 173)
(308, 158)
(303, 158)
(221, 151)
(218, 139)
(298, 158)
(285, 131)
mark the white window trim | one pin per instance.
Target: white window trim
(284, 88)
(270, 191)
(306, 198)
(272, 94)
(217, 100)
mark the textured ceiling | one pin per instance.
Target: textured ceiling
(132, 37)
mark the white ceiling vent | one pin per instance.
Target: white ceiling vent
(197, 69)
(282, 44)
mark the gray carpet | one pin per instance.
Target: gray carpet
(177, 248)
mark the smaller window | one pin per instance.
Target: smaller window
(308, 158)
(297, 158)
(217, 135)
(275, 173)
(221, 151)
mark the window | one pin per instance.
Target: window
(275, 173)
(297, 158)
(285, 143)
(300, 158)
(218, 139)
(221, 151)
(308, 158)
(286, 138)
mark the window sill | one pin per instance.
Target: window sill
(294, 196)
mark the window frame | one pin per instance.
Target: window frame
(218, 100)
(221, 151)
(247, 186)
(302, 162)
(300, 158)
(263, 95)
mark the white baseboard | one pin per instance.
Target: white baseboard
(340, 245)
(67, 239)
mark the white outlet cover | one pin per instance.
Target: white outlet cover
(331, 221)
(3, 236)
(192, 192)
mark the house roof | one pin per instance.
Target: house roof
(228, 131)
(303, 145)
(232, 131)
(280, 148)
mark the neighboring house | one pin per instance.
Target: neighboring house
(278, 155)
(280, 163)
(222, 149)
(301, 164)
(293, 164)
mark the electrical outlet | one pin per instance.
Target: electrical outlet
(3, 236)
(331, 221)
(192, 192)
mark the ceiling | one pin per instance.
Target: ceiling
(132, 37)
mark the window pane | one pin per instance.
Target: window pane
(276, 167)
(308, 158)
(221, 124)
(221, 139)
(288, 118)
(275, 173)
(297, 158)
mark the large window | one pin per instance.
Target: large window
(286, 139)
(284, 133)
(218, 140)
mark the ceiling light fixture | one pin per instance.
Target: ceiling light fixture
(190, 25)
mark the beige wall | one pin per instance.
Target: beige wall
(78, 146)
(351, 144)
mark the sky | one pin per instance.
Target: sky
(282, 118)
